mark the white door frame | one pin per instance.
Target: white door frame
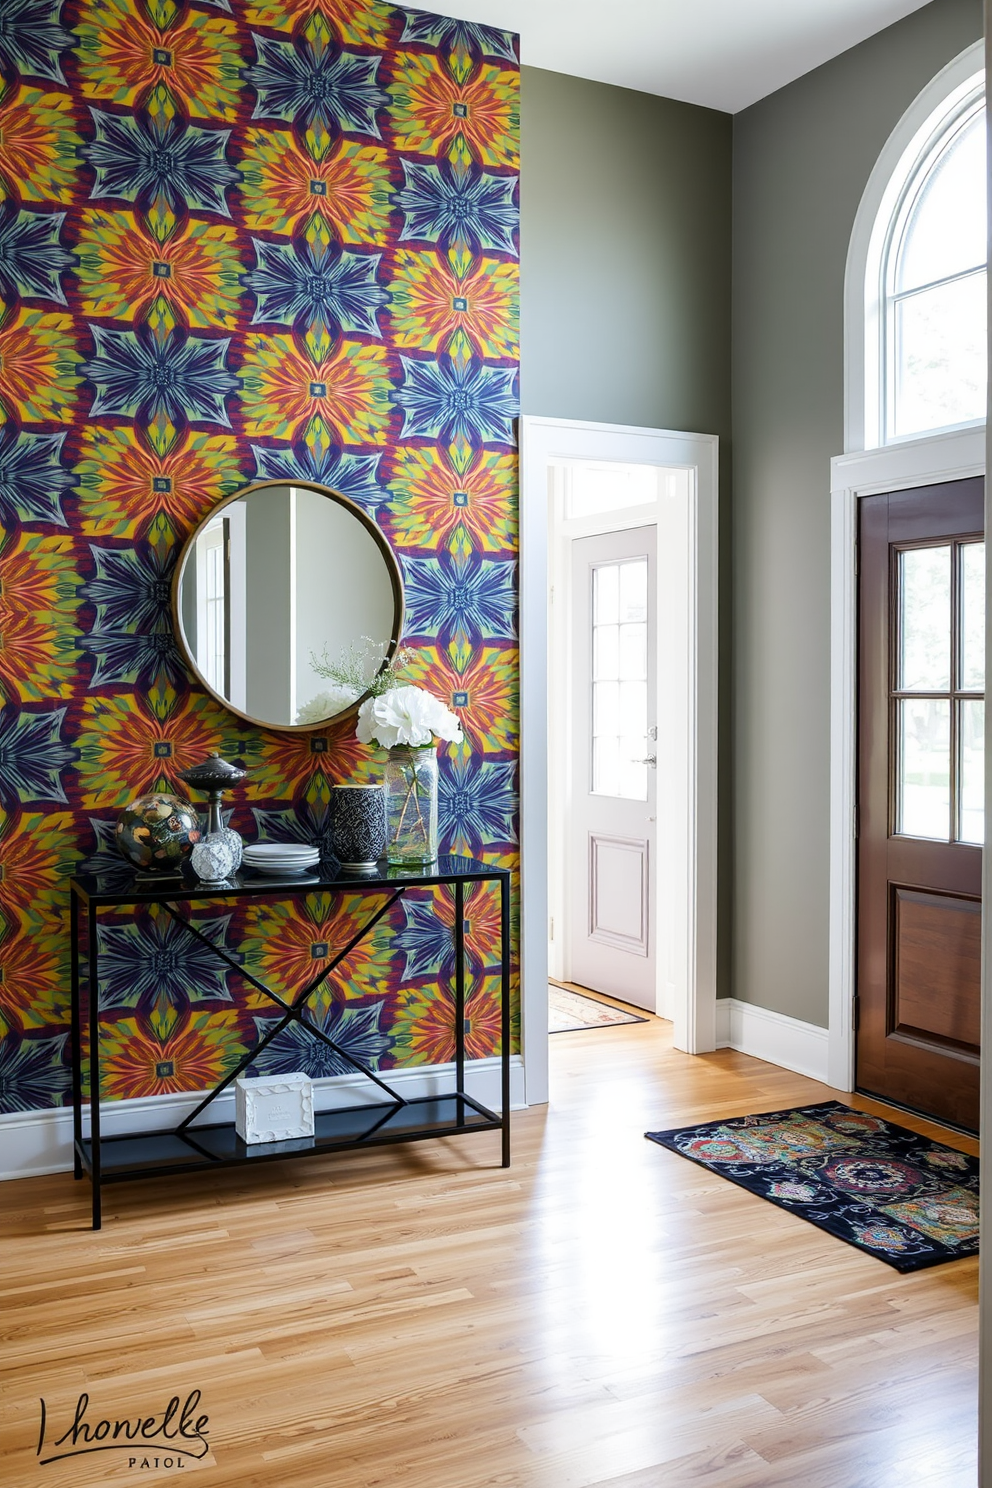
(544, 440)
(955, 455)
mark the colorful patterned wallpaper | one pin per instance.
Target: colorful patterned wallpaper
(244, 239)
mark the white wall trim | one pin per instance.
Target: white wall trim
(758, 1031)
(929, 461)
(533, 771)
(863, 287)
(33, 1143)
(542, 441)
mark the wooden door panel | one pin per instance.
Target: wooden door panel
(919, 898)
(935, 976)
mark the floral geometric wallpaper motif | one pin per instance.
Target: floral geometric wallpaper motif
(244, 239)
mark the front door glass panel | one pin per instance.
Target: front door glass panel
(925, 750)
(973, 616)
(971, 771)
(938, 692)
(925, 619)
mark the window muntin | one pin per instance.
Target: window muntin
(933, 321)
(938, 692)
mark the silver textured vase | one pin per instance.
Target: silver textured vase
(213, 859)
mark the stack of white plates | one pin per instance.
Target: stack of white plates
(281, 857)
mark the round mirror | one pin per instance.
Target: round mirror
(287, 600)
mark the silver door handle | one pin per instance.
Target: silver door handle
(651, 760)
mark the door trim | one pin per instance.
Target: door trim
(929, 461)
(543, 440)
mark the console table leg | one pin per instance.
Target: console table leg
(76, 1035)
(94, 996)
(460, 996)
(504, 951)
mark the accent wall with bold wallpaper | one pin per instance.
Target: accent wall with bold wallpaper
(240, 240)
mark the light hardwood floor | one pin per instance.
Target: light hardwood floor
(603, 1313)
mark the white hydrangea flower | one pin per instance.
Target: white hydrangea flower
(406, 715)
(334, 699)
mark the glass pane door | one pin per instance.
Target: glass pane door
(620, 679)
(938, 696)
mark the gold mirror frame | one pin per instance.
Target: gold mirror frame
(392, 567)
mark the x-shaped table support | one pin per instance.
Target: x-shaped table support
(293, 1012)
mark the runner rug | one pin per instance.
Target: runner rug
(902, 1198)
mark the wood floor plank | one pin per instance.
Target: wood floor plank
(604, 1314)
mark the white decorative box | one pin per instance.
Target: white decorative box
(273, 1110)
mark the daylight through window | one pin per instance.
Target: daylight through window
(933, 325)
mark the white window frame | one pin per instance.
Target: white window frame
(932, 114)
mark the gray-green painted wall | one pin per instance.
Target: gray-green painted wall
(627, 250)
(625, 256)
(625, 287)
(802, 158)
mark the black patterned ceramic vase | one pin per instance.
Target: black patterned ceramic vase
(358, 834)
(157, 832)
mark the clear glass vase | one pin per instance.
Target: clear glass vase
(411, 805)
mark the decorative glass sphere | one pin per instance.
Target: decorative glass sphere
(157, 832)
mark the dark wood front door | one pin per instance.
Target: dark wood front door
(921, 798)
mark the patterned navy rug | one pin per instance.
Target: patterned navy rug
(900, 1197)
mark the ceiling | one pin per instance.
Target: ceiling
(724, 54)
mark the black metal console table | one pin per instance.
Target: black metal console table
(194, 1145)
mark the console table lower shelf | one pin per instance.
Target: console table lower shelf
(217, 1145)
(195, 1144)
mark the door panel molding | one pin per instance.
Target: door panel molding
(620, 897)
(927, 1009)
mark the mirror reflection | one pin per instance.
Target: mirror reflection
(287, 601)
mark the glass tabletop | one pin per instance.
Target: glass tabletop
(125, 886)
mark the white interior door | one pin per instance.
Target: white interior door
(612, 929)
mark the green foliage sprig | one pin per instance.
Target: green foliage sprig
(363, 667)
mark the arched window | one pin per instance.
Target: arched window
(916, 288)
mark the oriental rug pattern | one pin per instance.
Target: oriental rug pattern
(898, 1196)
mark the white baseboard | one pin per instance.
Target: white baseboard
(758, 1031)
(33, 1143)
